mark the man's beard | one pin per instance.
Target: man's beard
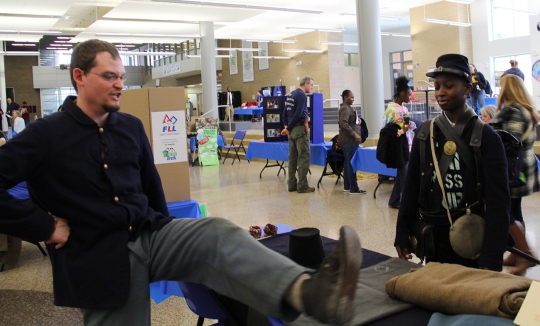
(111, 108)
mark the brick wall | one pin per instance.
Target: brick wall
(429, 41)
(313, 64)
(19, 76)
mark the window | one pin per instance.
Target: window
(350, 59)
(401, 63)
(501, 64)
(508, 23)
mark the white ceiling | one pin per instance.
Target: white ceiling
(171, 20)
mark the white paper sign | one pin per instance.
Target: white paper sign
(169, 137)
(233, 63)
(247, 63)
(263, 52)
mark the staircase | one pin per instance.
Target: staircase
(330, 116)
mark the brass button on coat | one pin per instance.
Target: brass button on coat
(101, 130)
(130, 228)
(105, 166)
(116, 199)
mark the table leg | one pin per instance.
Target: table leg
(272, 165)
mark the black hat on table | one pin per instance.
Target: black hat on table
(455, 64)
(306, 248)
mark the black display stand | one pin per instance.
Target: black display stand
(273, 118)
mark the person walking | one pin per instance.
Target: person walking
(295, 120)
(229, 110)
(349, 140)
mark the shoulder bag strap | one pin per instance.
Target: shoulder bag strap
(438, 171)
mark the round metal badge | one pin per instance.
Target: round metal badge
(450, 147)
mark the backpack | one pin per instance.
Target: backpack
(364, 133)
(335, 145)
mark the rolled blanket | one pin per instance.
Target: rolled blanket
(455, 289)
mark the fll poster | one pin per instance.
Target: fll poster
(208, 146)
(169, 137)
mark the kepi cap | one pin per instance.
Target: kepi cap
(455, 64)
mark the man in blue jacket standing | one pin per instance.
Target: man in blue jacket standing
(100, 207)
(295, 119)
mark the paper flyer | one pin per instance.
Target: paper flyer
(169, 137)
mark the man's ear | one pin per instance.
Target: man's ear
(78, 75)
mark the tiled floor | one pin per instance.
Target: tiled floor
(237, 193)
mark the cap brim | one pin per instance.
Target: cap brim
(450, 71)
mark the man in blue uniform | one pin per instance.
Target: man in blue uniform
(100, 207)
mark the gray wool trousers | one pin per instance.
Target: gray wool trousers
(210, 251)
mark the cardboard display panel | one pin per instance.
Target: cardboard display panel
(141, 103)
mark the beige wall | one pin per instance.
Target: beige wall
(429, 41)
(313, 64)
(19, 76)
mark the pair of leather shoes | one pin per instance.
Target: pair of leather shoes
(328, 296)
(308, 189)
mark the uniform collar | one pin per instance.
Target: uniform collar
(71, 108)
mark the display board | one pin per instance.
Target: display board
(273, 118)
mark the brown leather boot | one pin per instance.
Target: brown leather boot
(328, 296)
(521, 264)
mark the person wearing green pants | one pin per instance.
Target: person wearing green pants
(295, 117)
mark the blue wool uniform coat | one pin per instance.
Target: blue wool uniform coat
(107, 201)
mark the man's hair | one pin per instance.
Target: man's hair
(305, 80)
(84, 56)
(513, 91)
(513, 63)
(24, 102)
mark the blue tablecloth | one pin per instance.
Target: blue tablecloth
(279, 151)
(180, 209)
(365, 160)
(193, 142)
(257, 111)
(172, 288)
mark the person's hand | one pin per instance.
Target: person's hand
(405, 128)
(357, 138)
(484, 267)
(285, 132)
(403, 253)
(61, 232)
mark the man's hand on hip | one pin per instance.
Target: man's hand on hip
(60, 234)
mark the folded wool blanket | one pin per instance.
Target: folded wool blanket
(455, 289)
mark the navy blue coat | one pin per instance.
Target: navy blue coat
(106, 202)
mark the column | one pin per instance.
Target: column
(370, 53)
(3, 99)
(208, 68)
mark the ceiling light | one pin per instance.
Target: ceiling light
(146, 53)
(331, 30)
(241, 6)
(248, 49)
(281, 57)
(467, 2)
(339, 43)
(390, 18)
(446, 22)
(57, 41)
(286, 41)
(530, 12)
(20, 53)
(301, 28)
(225, 49)
(29, 44)
(33, 16)
(401, 34)
(41, 32)
(149, 35)
(270, 57)
(302, 51)
(49, 48)
(16, 44)
(258, 41)
(217, 55)
(64, 37)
